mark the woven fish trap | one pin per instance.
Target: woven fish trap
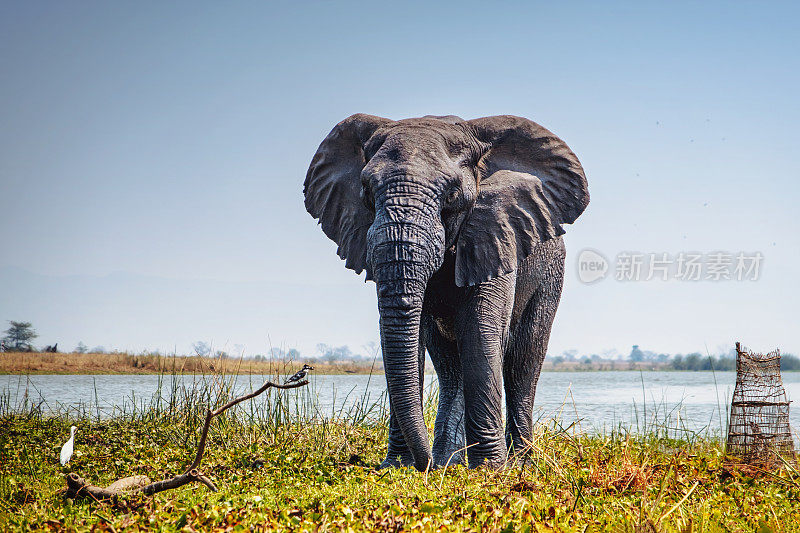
(758, 428)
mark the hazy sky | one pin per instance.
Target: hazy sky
(152, 159)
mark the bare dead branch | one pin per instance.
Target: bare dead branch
(78, 487)
(211, 414)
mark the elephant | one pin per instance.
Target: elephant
(458, 223)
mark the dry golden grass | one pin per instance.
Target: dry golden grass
(123, 363)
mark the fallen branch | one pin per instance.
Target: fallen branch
(78, 487)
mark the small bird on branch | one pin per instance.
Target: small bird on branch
(300, 374)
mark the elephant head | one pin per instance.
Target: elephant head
(396, 196)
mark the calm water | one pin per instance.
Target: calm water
(593, 401)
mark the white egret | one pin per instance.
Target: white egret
(66, 450)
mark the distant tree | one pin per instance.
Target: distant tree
(81, 348)
(636, 354)
(19, 336)
(98, 349)
(650, 356)
(338, 353)
(293, 354)
(724, 362)
(693, 361)
(558, 360)
(373, 349)
(201, 348)
(221, 354)
(570, 355)
(277, 353)
(790, 362)
(322, 348)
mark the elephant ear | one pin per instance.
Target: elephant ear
(530, 183)
(333, 187)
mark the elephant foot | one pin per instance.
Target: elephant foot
(397, 460)
(519, 451)
(493, 458)
(453, 458)
(490, 465)
(521, 459)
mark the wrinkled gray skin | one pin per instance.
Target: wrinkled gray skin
(459, 224)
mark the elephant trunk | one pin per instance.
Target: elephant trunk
(400, 317)
(403, 258)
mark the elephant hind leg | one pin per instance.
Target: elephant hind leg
(448, 434)
(524, 356)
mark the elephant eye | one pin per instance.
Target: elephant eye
(452, 196)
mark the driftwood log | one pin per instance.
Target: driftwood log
(77, 487)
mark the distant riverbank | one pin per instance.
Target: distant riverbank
(123, 363)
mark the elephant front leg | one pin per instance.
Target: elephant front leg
(448, 433)
(524, 357)
(482, 326)
(522, 366)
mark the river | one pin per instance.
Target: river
(684, 402)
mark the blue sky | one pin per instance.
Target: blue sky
(156, 153)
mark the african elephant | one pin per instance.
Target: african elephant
(458, 223)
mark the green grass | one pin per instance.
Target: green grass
(576, 482)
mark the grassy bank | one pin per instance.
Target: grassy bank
(280, 466)
(123, 363)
